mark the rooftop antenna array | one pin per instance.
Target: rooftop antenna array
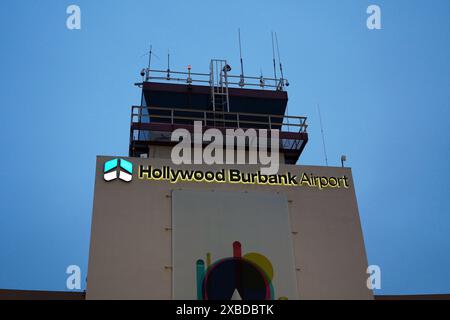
(242, 80)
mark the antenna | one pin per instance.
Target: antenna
(323, 136)
(145, 73)
(150, 53)
(279, 60)
(281, 84)
(274, 63)
(241, 80)
(150, 56)
(147, 76)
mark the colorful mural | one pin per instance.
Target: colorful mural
(231, 246)
(240, 277)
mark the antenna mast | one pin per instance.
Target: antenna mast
(149, 63)
(274, 63)
(150, 56)
(279, 60)
(323, 136)
(241, 80)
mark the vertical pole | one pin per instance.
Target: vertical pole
(274, 63)
(242, 79)
(323, 136)
(281, 65)
(147, 77)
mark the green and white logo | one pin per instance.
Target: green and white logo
(118, 168)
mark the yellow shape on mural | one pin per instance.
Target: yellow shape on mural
(262, 262)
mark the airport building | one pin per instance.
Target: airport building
(196, 231)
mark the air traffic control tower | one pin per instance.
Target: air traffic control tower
(162, 230)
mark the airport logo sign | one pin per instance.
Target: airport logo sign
(118, 168)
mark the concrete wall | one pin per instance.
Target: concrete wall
(131, 249)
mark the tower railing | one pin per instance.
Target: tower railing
(149, 114)
(189, 77)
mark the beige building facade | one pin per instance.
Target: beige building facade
(132, 249)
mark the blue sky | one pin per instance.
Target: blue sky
(384, 96)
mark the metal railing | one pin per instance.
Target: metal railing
(142, 114)
(205, 78)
